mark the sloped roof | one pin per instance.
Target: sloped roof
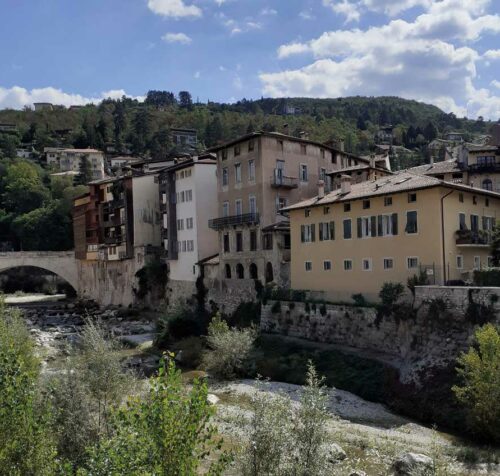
(443, 167)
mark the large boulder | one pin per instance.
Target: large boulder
(413, 464)
(335, 453)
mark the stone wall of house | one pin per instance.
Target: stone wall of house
(440, 327)
(227, 294)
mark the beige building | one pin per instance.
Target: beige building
(258, 175)
(354, 239)
(70, 160)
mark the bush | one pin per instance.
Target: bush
(359, 300)
(420, 279)
(229, 348)
(489, 277)
(168, 432)
(479, 370)
(182, 323)
(246, 314)
(276, 307)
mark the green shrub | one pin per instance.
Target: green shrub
(479, 370)
(229, 348)
(177, 325)
(420, 279)
(276, 307)
(246, 314)
(487, 277)
(359, 300)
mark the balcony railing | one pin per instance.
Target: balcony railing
(473, 238)
(244, 219)
(115, 221)
(113, 204)
(481, 167)
(114, 240)
(278, 180)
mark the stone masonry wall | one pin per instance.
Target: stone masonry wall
(434, 336)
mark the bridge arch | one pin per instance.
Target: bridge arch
(62, 263)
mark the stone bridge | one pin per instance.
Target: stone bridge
(62, 263)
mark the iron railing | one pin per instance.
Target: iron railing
(244, 219)
(282, 181)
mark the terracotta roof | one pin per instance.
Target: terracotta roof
(398, 183)
(443, 167)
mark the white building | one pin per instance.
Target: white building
(188, 197)
(66, 160)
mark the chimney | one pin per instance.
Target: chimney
(372, 161)
(345, 184)
(321, 189)
(304, 135)
(285, 129)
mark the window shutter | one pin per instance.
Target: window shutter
(332, 230)
(380, 226)
(394, 223)
(313, 232)
(360, 234)
(485, 223)
(302, 233)
(320, 232)
(374, 226)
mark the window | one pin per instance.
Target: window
(327, 265)
(307, 212)
(367, 264)
(239, 207)
(388, 263)
(327, 231)
(189, 223)
(225, 177)
(190, 245)
(412, 197)
(474, 200)
(308, 265)
(461, 197)
(303, 149)
(252, 204)
(303, 173)
(491, 264)
(180, 224)
(326, 210)
(239, 241)
(228, 271)
(460, 262)
(226, 243)
(347, 229)
(366, 204)
(411, 223)
(487, 184)
(307, 233)
(281, 202)
(488, 223)
(224, 154)
(237, 150)
(388, 225)
(184, 246)
(251, 145)
(461, 222)
(253, 240)
(347, 264)
(251, 170)
(367, 227)
(280, 145)
(225, 209)
(189, 195)
(477, 262)
(474, 223)
(322, 153)
(267, 241)
(412, 262)
(237, 173)
(322, 174)
(347, 207)
(486, 202)
(387, 201)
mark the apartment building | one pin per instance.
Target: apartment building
(70, 160)
(354, 239)
(360, 173)
(184, 139)
(115, 217)
(257, 176)
(188, 195)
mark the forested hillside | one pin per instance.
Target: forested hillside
(145, 126)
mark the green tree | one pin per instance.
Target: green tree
(185, 100)
(85, 170)
(8, 145)
(26, 446)
(167, 433)
(495, 245)
(479, 370)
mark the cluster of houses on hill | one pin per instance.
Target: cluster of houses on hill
(297, 213)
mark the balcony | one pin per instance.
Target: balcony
(480, 167)
(473, 238)
(245, 219)
(114, 221)
(278, 180)
(114, 240)
(114, 204)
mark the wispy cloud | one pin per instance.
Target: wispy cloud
(174, 8)
(181, 38)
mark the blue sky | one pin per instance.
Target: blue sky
(445, 52)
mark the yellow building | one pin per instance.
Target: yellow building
(354, 239)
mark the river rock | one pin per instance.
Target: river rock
(357, 473)
(335, 453)
(413, 464)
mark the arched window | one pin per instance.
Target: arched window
(240, 271)
(228, 271)
(269, 273)
(253, 271)
(487, 184)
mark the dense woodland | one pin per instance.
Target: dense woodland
(34, 208)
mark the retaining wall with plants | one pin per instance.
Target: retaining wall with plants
(430, 332)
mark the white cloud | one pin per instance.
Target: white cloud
(306, 15)
(177, 38)
(427, 59)
(197, 75)
(174, 8)
(495, 84)
(18, 97)
(394, 7)
(268, 11)
(492, 54)
(344, 7)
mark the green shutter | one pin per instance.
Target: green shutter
(313, 232)
(332, 230)
(360, 234)
(373, 226)
(394, 223)
(380, 226)
(302, 233)
(320, 232)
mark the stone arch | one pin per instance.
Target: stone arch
(254, 272)
(487, 184)
(240, 271)
(227, 271)
(269, 272)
